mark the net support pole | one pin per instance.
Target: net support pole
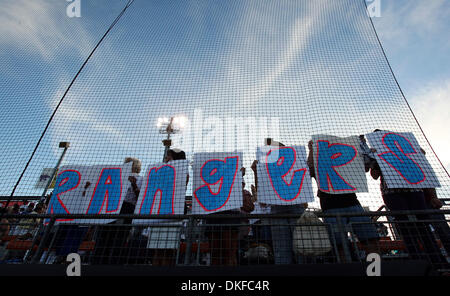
(342, 232)
(187, 254)
(66, 146)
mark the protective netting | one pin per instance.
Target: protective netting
(237, 71)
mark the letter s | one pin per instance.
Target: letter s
(398, 158)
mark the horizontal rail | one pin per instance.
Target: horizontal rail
(6, 198)
(223, 216)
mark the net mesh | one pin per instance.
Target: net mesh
(239, 71)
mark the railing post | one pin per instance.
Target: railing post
(42, 243)
(50, 246)
(342, 232)
(35, 237)
(187, 254)
(355, 245)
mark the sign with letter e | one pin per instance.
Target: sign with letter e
(283, 176)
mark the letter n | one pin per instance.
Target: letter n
(160, 182)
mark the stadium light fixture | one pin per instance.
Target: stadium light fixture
(169, 126)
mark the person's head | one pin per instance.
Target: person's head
(30, 207)
(39, 208)
(136, 168)
(48, 198)
(174, 154)
(16, 208)
(270, 142)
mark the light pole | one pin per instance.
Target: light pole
(169, 126)
(66, 146)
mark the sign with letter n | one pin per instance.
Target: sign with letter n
(401, 160)
(217, 182)
(338, 164)
(163, 191)
(283, 176)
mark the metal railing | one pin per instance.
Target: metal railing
(228, 240)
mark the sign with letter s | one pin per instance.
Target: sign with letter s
(401, 161)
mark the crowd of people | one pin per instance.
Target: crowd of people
(120, 242)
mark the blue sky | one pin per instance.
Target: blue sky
(415, 35)
(231, 59)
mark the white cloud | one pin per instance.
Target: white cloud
(431, 105)
(425, 15)
(400, 23)
(71, 114)
(300, 33)
(41, 27)
(263, 51)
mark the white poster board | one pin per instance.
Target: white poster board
(401, 161)
(283, 176)
(338, 164)
(96, 189)
(44, 177)
(217, 182)
(163, 191)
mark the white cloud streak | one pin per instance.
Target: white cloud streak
(41, 27)
(400, 24)
(431, 105)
